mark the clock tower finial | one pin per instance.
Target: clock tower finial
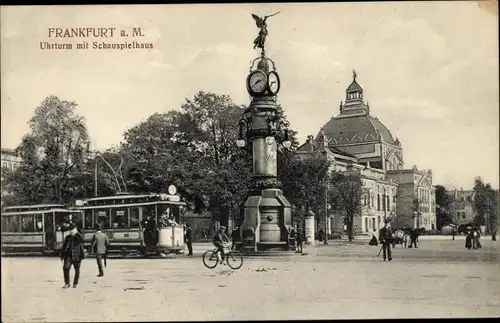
(354, 75)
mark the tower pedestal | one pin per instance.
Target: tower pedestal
(267, 221)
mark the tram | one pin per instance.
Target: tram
(36, 229)
(123, 219)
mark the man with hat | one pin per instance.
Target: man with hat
(72, 254)
(219, 239)
(188, 238)
(100, 245)
(385, 239)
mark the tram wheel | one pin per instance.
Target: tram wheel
(210, 259)
(234, 260)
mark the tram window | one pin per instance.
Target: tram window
(62, 221)
(175, 212)
(38, 223)
(27, 223)
(13, 223)
(49, 222)
(76, 218)
(164, 210)
(148, 211)
(135, 217)
(103, 219)
(88, 219)
(5, 224)
(120, 218)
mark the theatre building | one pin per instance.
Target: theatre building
(356, 141)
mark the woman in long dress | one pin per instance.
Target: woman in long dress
(468, 239)
(373, 241)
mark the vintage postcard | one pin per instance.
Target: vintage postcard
(279, 161)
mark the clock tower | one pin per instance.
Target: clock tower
(267, 218)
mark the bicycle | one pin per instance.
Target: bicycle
(234, 259)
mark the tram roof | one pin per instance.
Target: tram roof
(124, 196)
(33, 212)
(127, 199)
(36, 206)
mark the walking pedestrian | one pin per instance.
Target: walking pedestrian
(72, 254)
(413, 238)
(321, 234)
(235, 237)
(468, 238)
(477, 234)
(300, 241)
(100, 245)
(373, 241)
(188, 238)
(385, 238)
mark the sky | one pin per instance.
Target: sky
(429, 70)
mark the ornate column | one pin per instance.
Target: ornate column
(267, 213)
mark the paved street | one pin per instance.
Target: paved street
(340, 280)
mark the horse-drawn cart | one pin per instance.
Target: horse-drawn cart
(400, 237)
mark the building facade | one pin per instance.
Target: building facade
(461, 208)
(379, 193)
(355, 140)
(417, 198)
(10, 161)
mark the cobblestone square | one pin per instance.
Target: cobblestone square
(340, 280)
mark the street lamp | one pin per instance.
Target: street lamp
(240, 142)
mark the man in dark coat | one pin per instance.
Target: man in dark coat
(72, 254)
(100, 245)
(299, 237)
(385, 238)
(413, 238)
(188, 238)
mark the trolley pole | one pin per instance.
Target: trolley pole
(326, 213)
(95, 176)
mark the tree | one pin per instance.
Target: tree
(485, 204)
(53, 153)
(345, 195)
(443, 205)
(443, 198)
(195, 150)
(302, 181)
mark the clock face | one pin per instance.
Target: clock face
(273, 82)
(258, 82)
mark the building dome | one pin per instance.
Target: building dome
(354, 124)
(357, 129)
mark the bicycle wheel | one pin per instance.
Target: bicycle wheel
(234, 259)
(210, 259)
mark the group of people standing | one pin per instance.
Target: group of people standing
(472, 238)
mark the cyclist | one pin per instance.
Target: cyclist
(219, 239)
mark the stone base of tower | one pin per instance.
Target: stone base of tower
(267, 223)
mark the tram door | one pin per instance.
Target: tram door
(50, 232)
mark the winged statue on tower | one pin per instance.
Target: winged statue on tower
(261, 23)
